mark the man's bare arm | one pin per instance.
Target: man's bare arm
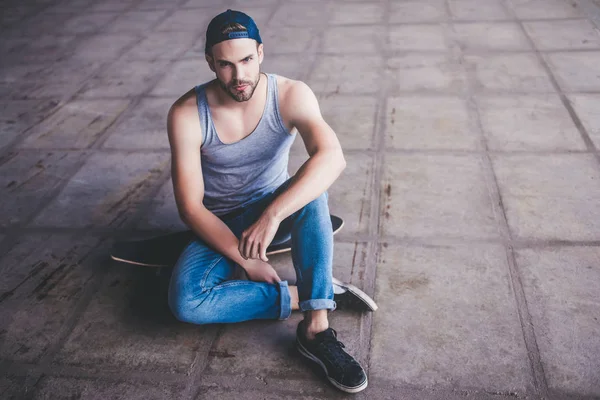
(316, 175)
(185, 138)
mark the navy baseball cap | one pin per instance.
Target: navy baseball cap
(214, 35)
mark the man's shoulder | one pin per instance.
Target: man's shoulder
(185, 106)
(291, 91)
(183, 122)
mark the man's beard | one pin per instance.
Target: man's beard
(240, 96)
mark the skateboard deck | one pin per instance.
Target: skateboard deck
(163, 251)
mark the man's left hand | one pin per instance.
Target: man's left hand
(256, 239)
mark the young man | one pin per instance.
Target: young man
(230, 140)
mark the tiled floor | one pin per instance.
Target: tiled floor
(471, 131)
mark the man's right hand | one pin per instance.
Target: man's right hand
(260, 271)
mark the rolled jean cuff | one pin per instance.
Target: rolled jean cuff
(286, 300)
(317, 304)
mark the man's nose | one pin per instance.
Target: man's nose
(239, 74)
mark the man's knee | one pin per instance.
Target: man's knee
(191, 311)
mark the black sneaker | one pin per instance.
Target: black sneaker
(342, 370)
(348, 296)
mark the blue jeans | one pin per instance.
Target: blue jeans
(203, 288)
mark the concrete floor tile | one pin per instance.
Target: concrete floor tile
(182, 76)
(145, 5)
(549, 175)
(490, 36)
(417, 11)
(297, 14)
(346, 74)
(43, 279)
(563, 35)
(58, 81)
(535, 122)
(544, 9)
(250, 3)
(12, 388)
(163, 213)
(217, 392)
(162, 45)
(287, 40)
(576, 71)
(16, 116)
(475, 10)
(91, 22)
(104, 47)
(286, 65)
(447, 317)
(350, 195)
(128, 326)
(204, 3)
(354, 39)
(142, 127)
(124, 78)
(69, 6)
(136, 21)
(259, 349)
(351, 117)
(561, 286)
(27, 179)
(510, 72)
(426, 122)
(196, 49)
(586, 107)
(112, 5)
(551, 197)
(93, 389)
(44, 49)
(13, 13)
(192, 21)
(75, 125)
(437, 195)
(42, 24)
(417, 71)
(417, 37)
(106, 191)
(348, 13)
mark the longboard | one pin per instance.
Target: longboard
(163, 251)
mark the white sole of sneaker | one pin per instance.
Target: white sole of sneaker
(365, 298)
(343, 388)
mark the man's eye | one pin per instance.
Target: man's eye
(223, 65)
(247, 59)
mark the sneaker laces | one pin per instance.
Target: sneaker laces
(333, 350)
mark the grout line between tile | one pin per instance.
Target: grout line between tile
(536, 367)
(374, 230)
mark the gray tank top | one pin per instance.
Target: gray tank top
(240, 173)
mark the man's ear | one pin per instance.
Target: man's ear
(261, 53)
(210, 62)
